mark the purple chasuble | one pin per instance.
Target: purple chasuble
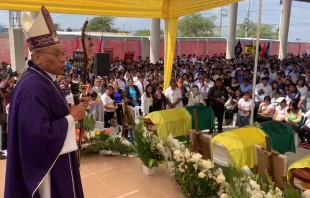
(37, 131)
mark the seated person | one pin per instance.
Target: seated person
(265, 111)
(244, 106)
(293, 115)
(280, 111)
(116, 130)
(304, 133)
(195, 97)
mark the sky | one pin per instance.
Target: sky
(299, 22)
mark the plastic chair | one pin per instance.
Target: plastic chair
(136, 112)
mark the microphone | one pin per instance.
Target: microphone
(75, 92)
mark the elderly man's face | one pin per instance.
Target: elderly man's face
(51, 59)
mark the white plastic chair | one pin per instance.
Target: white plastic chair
(136, 112)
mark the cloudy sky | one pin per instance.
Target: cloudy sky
(299, 23)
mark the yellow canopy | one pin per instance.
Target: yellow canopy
(170, 10)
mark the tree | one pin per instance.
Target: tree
(102, 24)
(57, 27)
(146, 32)
(197, 25)
(267, 31)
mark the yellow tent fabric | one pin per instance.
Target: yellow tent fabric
(302, 163)
(240, 144)
(175, 121)
(170, 10)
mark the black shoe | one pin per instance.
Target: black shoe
(220, 130)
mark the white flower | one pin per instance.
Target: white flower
(201, 175)
(177, 153)
(224, 195)
(181, 170)
(187, 154)
(195, 166)
(307, 194)
(207, 164)
(220, 179)
(196, 158)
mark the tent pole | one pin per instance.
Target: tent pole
(256, 59)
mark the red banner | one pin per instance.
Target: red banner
(129, 57)
(110, 51)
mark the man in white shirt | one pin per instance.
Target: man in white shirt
(203, 89)
(174, 95)
(262, 90)
(141, 84)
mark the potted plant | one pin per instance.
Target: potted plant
(197, 178)
(149, 149)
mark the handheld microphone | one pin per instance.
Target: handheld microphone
(75, 92)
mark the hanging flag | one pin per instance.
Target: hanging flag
(260, 48)
(254, 49)
(262, 52)
(267, 52)
(77, 44)
(238, 50)
(100, 46)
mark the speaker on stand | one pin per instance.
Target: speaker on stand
(102, 64)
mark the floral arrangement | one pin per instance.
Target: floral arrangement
(246, 185)
(104, 144)
(197, 177)
(149, 148)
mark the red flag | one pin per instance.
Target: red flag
(100, 45)
(77, 44)
(262, 53)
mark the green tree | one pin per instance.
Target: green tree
(197, 25)
(102, 24)
(267, 31)
(57, 27)
(146, 32)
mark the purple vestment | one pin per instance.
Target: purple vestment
(37, 131)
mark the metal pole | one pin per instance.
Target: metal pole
(221, 20)
(256, 58)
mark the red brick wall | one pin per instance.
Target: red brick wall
(120, 45)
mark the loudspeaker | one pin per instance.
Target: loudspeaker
(102, 64)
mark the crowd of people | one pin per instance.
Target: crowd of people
(281, 93)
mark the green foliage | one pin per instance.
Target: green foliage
(102, 24)
(146, 32)
(145, 146)
(105, 142)
(236, 178)
(88, 123)
(196, 25)
(267, 31)
(57, 27)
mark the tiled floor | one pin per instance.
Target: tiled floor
(122, 177)
(119, 177)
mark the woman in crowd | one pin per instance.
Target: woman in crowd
(195, 97)
(275, 88)
(293, 115)
(293, 94)
(147, 100)
(280, 111)
(160, 100)
(301, 87)
(233, 87)
(232, 106)
(244, 106)
(265, 110)
(132, 93)
(117, 96)
(108, 106)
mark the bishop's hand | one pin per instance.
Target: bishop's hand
(78, 111)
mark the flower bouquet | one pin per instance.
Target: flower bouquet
(245, 185)
(198, 178)
(149, 148)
